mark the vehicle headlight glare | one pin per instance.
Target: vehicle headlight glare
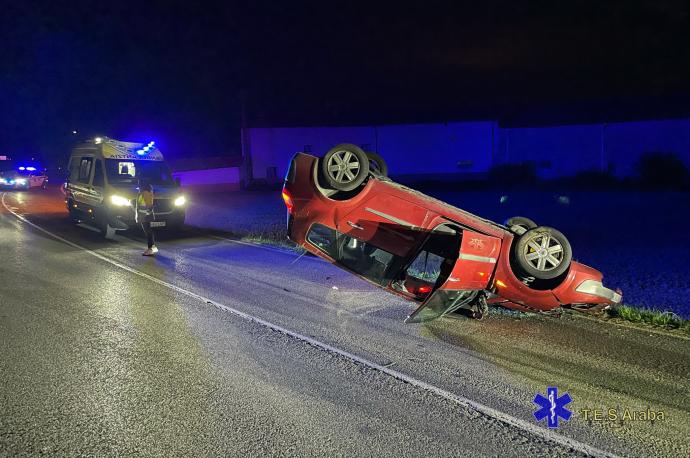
(180, 201)
(20, 181)
(120, 201)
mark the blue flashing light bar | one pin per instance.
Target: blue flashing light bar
(146, 148)
(22, 168)
(30, 169)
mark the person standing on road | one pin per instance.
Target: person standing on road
(146, 216)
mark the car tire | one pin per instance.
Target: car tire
(107, 231)
(542, 253)
(344, 167)
(377, 165)
(519, 224)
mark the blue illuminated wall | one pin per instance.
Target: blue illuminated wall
(474, 147)
(555, 151)
(409, 149)
(625, 142)
(458, 147)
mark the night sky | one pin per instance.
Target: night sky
(178, 72)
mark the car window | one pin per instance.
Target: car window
(74, 168)
(426, 266)
(85, 169)
(433, 263)
(374, 263)
(323, 238)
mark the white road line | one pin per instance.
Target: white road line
(460, 400)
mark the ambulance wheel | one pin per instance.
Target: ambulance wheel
(107, 231)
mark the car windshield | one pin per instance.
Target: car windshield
(376, 264)
(131, 171)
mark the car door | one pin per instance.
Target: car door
(470, 274)
(387, 222)
(80, 186)
(98, 182)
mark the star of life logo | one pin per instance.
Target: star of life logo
(552, 407)
(477, 243)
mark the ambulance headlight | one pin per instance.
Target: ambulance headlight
(21, 181)
(180, 201)
(120, 201)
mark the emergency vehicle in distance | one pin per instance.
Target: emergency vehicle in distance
(103, 184)
(25, 177)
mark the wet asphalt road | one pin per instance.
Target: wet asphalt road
(100, 360)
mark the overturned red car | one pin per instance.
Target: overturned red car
(343, 208)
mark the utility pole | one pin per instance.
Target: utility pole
(246, 167)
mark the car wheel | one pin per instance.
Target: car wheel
(377, 164)
(519, 224)
(107, 231)
(543, 253)
(344, 167)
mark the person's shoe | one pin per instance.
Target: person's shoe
(154, 249)
(148, 252)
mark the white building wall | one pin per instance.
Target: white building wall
(408, 149)
(474, 147)
(556, 151)
(437, 148)
(274, 147)
(626, 142)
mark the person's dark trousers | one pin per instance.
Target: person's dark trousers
(148, 230)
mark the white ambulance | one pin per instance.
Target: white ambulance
(103, 183)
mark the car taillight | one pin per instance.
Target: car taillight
(288, 200)
(424, 290)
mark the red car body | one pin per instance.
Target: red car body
(390, 223)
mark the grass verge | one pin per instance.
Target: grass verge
(668, 320)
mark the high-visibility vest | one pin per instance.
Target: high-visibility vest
(145, 200)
